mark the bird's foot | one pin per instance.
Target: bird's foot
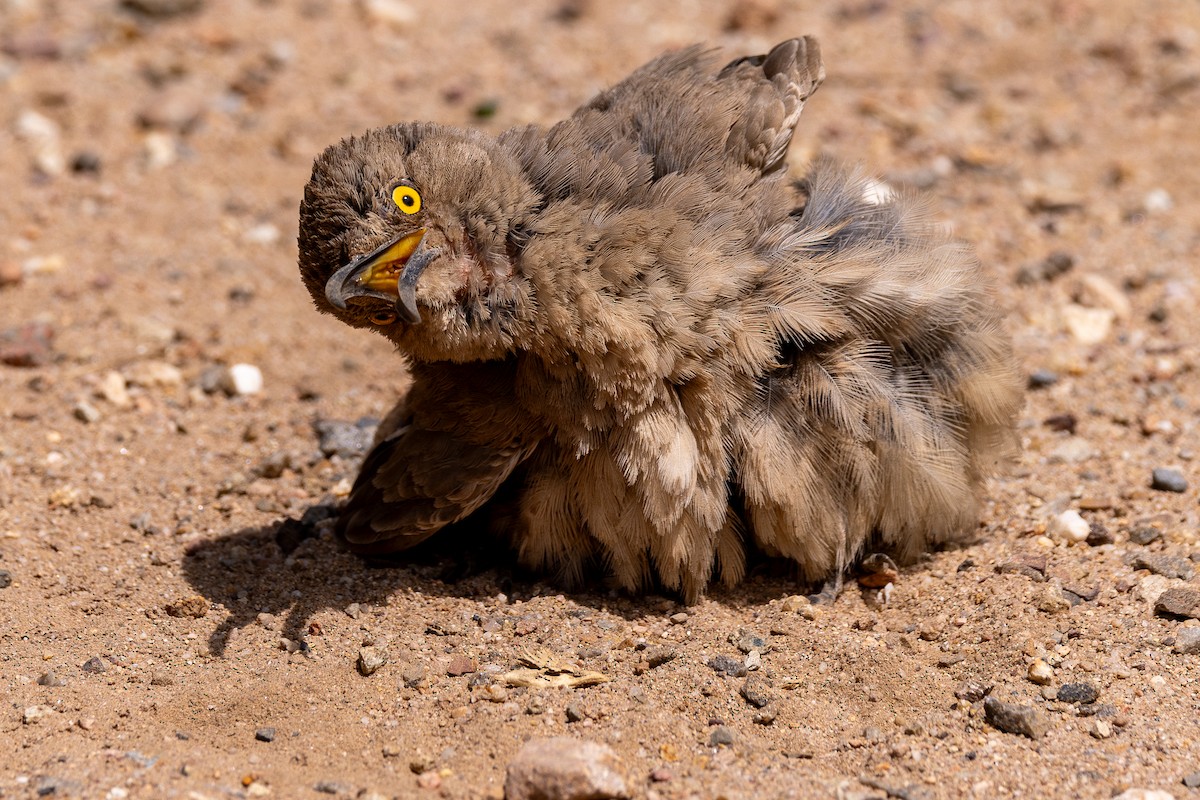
(828, 594)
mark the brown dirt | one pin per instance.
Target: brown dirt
(140, 535)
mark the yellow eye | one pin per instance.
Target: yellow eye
(383, 317)
(407, 199)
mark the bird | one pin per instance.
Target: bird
(641, 348)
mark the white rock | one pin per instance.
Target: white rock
(242, 379)
(1087, 326)
(263, 234)
(1069, 526)
(155, 374)
(1144, 794)
(391, 12)
(1157, 201)
(160, 149)
(35, 714)
(112, 388)
(45, 136)
(1040, 672)
(1097, 291)
(1150, 587)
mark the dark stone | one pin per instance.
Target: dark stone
(1016, 719)
(5, 579)
(575, 713)
(1178, 602)
(265, 734)
(725, 665)
(1078, 693)
(1062, 422)
(1099, 535)
(94, 665)
(1041, 378)
(1168, 566)
(1168, 480)
(1144, 534)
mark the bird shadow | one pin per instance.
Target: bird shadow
(297, 568)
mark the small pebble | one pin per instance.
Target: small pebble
(1192, 781)
(1040, 672)
(242, 379)
(1168, 480)
(565, 769)
(1165, 565)
(460, 665)
(1069, 526)
(1077, 693)
(51, 679)
(1179, 601)
(1099, 535)
(680, 618)
(1144, 534)
(756, 691)
(720, 736)
(94, 665)
(1087, 326)
(413, 676)
(657, 656)
(1100, 729)
(727, 666)
(265, 734)
(661, 775)
(85, 412)
(1016, 719)
(345, 439)
(5, 579)
(1041, 378)
(747, 641)
(332, 787)
(972, 691)
(1050, 600)
(35, 714)
(575, 713)
(370, 659)
(1187, 640)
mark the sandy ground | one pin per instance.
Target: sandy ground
(150, 619)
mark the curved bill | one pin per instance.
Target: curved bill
(384, 274)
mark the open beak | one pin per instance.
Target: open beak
(390, 272)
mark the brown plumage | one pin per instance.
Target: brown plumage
(653, 343)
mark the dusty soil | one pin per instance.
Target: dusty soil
(153, 608)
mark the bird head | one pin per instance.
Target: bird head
(413, 230)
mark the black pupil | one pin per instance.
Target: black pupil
(407, 200)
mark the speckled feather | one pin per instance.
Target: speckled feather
(659, 348)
